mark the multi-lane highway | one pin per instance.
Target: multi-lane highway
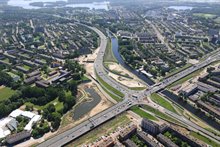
(131, 98)
(100, 69)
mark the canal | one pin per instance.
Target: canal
(191, 109)
(115, 49)
(167, 93)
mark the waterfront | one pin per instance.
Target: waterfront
(117, 55)
(191, 109)
(181, 7)
(26, 4)
(87, 106)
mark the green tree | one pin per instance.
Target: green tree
(73, 87)
(51, 108)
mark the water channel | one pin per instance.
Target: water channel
(117, 55)
(191, 109)
(167, 93)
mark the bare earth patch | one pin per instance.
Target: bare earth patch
(129, 82)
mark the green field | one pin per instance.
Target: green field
(6, 93)
(162, 102)
(58, 105)
(109, 56)
(142, 113)
(217, 20)
(204, 139)
(204, 15)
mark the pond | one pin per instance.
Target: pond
(85, 107)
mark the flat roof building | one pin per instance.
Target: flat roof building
(15, 138)
(148, 141)
(150, 126)
(127, 132)
(129, 143)
(106, 142)
(166, 141)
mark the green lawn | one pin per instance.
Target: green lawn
(108, 87)
(137, 88)
(58, 105)
(217, 20)
(185, 78)
(116, 98)
(109, 56)
(204, 15)
(6, 93)
(26, 67)
(160, 114)
(204, 139)
(12, 74)
(6, 60)
(143, 114)
(162, 102)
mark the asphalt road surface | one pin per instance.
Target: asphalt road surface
(131, 98)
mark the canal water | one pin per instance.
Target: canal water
(87, 106)
(191, 109)
(167, 93)
(115, 49)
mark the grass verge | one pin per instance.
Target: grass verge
(109, 55)
(159, 114)
(162, 102)
(108, 87)
(137, 88)
(116, 98)
(204, 139)
(142, 113)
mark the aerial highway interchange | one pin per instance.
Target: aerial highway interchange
(131, 98)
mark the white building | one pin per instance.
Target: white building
(34, 118)
(7, 125)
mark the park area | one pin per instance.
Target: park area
(205, 15)
(5, 93)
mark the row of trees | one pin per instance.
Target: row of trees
(5, 79)
(126, 48)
